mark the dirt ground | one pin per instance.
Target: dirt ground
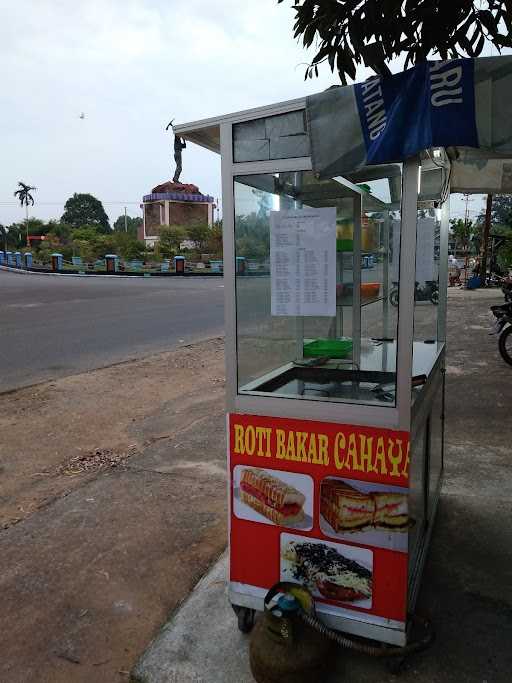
(112, 506)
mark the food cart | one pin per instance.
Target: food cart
(335, 355)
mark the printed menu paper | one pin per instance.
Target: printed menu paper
(303, 262)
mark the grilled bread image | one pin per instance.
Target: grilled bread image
(324, 569)
(271, 497)
(344, 507)
(390, 510)
(348, 510)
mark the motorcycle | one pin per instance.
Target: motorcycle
(506, 288)
(503, 328)
(493, 280)
(429, 292)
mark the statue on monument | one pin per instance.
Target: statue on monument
(179, 146)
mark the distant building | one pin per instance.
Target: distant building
(173, 204)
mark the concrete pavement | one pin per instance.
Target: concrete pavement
(467, 586)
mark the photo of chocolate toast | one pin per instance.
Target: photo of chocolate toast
(327, 571)
(271, 497)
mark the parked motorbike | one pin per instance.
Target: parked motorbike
(503, 328)
(493, 280)
(506, 288)
(429, 292)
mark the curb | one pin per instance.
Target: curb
(134, 359)
(110, 275)
(22, 271)
(175, 654)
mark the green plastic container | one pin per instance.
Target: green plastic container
(344, 245)
(328, 348)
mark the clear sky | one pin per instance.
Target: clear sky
(130, 66)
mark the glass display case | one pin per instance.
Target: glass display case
(335, 307)
(351, 355)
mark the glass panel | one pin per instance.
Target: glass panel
(318, 357)
(264, 342)
(275, 137)
(426, 295)
(380, 263)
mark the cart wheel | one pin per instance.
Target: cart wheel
(245, 617)
(395, 665)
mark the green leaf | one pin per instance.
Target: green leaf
(487, 19)
(479, 45)
(350, 32)
(503, 41)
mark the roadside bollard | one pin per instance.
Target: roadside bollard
(28, 259)
(179, 264)
(17, 259)
(112, 263)
(216, 266)
(9, 258)
(56, 262)
(240, 265)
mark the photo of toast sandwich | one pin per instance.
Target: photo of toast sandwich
(390, 510)
(348, 509)
(271, 497)
(344, 507)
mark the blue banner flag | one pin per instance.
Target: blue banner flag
(431, 105)
(455, 103)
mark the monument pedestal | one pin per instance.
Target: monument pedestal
(174, 204)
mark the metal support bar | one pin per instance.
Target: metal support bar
(299, 320)
(406, 291)
(228, 239)
(443, 271)
(385, 276)
(356, 293)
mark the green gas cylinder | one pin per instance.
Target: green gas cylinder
(284, 649)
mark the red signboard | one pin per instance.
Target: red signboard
(324, 504)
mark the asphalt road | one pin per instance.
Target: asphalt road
(53, 326)
(56, 326)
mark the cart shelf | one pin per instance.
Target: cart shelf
(348, 301)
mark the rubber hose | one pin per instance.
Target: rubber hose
(370, 650)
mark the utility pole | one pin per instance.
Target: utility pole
(485, 247)
(467, 199)
(125, 220)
